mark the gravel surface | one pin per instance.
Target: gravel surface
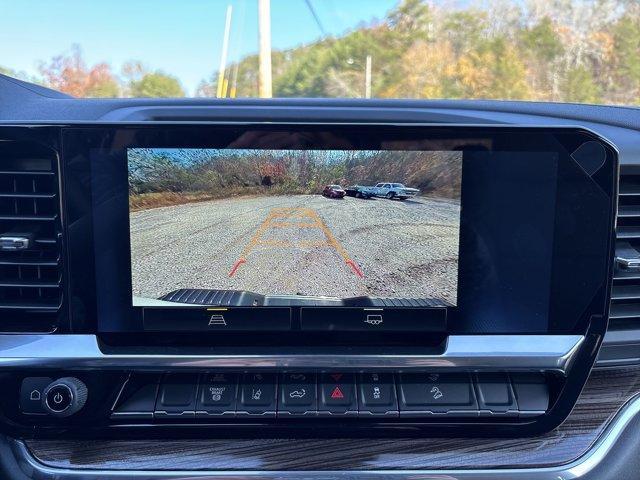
(300, 244)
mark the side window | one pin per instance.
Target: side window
(378, 185)
(386, 185)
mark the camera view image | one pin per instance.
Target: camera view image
(320, 223)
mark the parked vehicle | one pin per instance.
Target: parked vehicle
(359, 191)
(333, 191)
(394, 190)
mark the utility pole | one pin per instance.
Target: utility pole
(239, 35)
(264, 37)
(367, 78)
(221, 91)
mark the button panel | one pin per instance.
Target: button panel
(177, 396)
(495, 395)
(531, 392)
(217, 394)
(224, 395)
(337, 394)
(258, 395)
(297, 394)
(378, 394)
(432, 393)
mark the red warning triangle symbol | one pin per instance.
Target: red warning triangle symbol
(337, 393)
(336, 376)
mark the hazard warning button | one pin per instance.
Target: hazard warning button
(338, 394)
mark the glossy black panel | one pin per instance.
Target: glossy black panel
(508, 233)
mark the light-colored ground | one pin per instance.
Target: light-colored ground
(299, 244)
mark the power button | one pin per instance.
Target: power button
(59, 398)
(64, 397)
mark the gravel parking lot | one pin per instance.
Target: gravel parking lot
(304, 244)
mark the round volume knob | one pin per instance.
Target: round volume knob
(64, 397)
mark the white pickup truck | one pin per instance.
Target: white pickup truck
(394, 190)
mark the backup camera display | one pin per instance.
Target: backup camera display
(313, 223)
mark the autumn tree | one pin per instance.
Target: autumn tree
(70, 74)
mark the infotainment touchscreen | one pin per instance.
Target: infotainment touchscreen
(337, 232)
(309, 223)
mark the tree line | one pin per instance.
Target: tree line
(585, 51)
(224, 173)
(69, 73)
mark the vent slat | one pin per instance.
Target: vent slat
(41, 173)
(30, 262)
(625, 292)
(624, 310)
(626, 274)
(28, 218)
(28, 284)
(27, 195)
(629, 186)
(46, 241)
(628, 232)
(629, 211)
(31, 293)
(53, 306)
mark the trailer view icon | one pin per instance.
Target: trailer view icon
(374, 319)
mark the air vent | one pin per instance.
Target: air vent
(622, 342)
(30, 238)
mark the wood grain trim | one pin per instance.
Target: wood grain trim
(605, 393)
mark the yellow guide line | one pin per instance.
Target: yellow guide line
(274, 220)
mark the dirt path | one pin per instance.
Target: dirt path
(303, 244)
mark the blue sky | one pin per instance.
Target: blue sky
(182, 37)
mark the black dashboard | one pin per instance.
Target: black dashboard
(520, 187)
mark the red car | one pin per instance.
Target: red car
(333, 191)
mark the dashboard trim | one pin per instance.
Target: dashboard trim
(480, 352)
(578, 468)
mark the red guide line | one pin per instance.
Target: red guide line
(355, 268)
(236, 266)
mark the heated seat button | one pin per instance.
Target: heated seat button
(177, 396)
(297, 394)
(257, 394)
(337, 394)
(31, 392)
(217, 394)
(437, 393)
(377, 394)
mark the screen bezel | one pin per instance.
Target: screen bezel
(79, 142)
